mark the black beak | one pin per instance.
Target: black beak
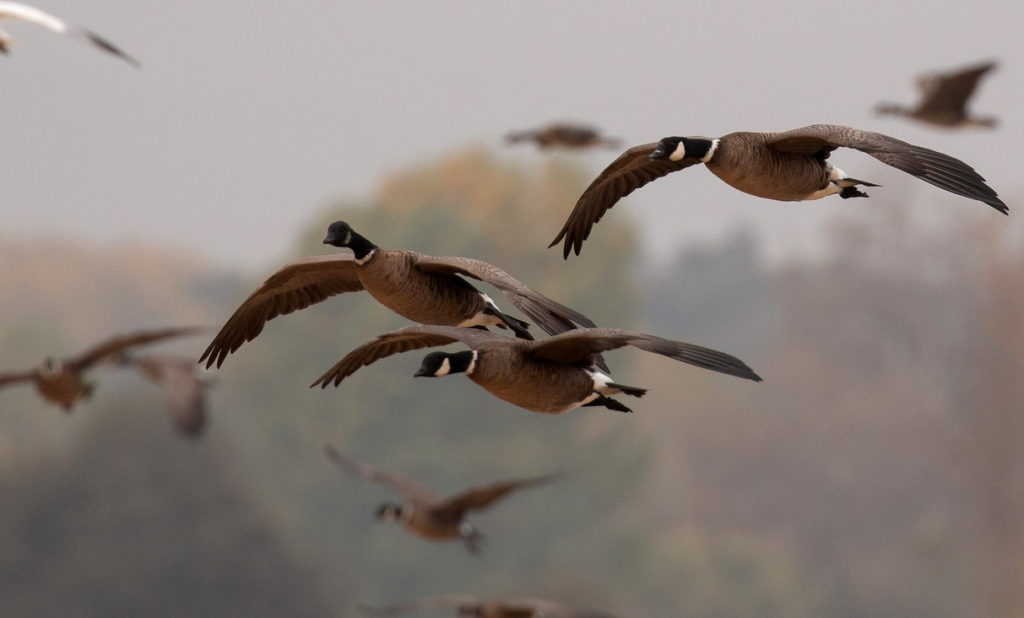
(328, 240)
(421, 372)
(659, 153)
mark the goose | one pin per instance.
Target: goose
(790, 166)
(30, 14)
(185, 389)
(565, 135)
(427, 515)
(420, 287)
(550, 376)
(469, 606)
(944, 96)
(62, 381)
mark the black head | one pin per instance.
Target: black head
(339, 234)
(437, 364)
(389, 511)
(666, 146)
(678, 148)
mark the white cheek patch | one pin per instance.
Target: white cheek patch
(679, 153)
(445, 368)
(601, 383)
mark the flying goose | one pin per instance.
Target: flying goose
(790, 166)
(62, 381)
(420, 287)
(24, 12)
(468, 606)
(186, 390)
(427, 515)
(550, 376)
(944, 98)
(565, 135)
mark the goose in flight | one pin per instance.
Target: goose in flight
(790, 166)
(564, 135)
(430, 516)
(550, 376)
(423, 288)
(23, 12)
(469, 606)
(184, 387)
(944, 97)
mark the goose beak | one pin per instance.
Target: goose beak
(659, 153)
(420, 373)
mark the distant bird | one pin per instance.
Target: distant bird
(420, 287)
(468, 606)
(550, 376)
(564, 135)
(792, 166)
(430, 516)
(62, 381)
(186, 390)
(24, 12)
(944, 97)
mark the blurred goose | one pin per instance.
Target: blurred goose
(944, 99)
(186, 390)
(430, 516)
(30, 14)
(420, 287)
(468, 606)
(62, 381)
(790, 166)
(564, 135)
(550, 376)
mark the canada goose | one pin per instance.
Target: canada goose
(549, 376)
(423, 288)
(565, 135)
(185, 389)
(944, 98)
(62, 381)
(791, 166)
(430, 516)
(24, 12)
(468, 606)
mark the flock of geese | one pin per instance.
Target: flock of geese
(563, 371)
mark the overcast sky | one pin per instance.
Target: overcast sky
(246, 120)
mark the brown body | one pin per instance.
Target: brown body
(63, 386)
(778, 175)
(536, 384)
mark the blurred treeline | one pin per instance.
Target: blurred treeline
(878, 470)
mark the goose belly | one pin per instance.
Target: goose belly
(64, 389)
(427, 298)
(538, 386)
(787, 179)
(421, 524)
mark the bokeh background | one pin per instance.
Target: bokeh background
(876, 472)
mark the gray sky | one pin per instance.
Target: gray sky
(246, 120)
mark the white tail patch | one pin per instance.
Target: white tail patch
(835, 178)
(481, 318)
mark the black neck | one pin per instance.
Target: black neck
(360, 246)
(459, 362)
(696, 146)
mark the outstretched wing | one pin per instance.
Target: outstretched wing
(949, 92)
(401, 340)
(117, 344)
(185, 388)
(446, 601)
(295, 286)
(482, 496)
(15, 377)
(550, 315)
(407, 489)
(630, 171)
(933, 167)
(580, 345)
(30, 14)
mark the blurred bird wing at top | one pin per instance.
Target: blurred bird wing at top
(950, 91)
(30, 14)
(294, 286)
(631, 170)
(482, 496)
(15, 377)
(550, 315)
(931, 166)
(406, 488)
(179, 377)
(114, 345)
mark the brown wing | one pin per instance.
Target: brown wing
(556, 610)
(578, 346)
(551, 316)
(482, 496)
(180, 379)
(402, 340)
(933, 167)
(15, 377)
(630, 171)
(117, 344)
(295, 286)
(409, 490)
(949, 92)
